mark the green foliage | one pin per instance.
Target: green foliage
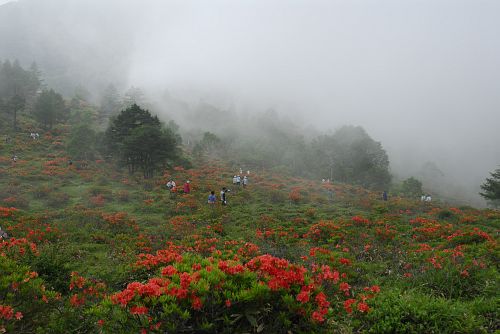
(13, 106)
(21, 289)
(215, 301)
(57, 199)
(350, 155)
(210, 145)
(52, 266)
(82, 142)
(149, 148)
(14, 80)
(49, 108)
(434, 265)
(140, 141)
(17, 86)
(445, 214)
(82, 114)
(491, 188)
(411, 312)
(411, 187)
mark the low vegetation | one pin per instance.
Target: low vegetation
(93, 241)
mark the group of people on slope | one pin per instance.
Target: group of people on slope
(212, 199)
(172, 186)
(8, 139)
(425, 198)
(238, 181)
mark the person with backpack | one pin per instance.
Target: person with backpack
(171, 188)
(223, 195)
(212, 198)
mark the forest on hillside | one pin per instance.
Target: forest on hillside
(316, 237)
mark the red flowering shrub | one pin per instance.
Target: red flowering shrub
(205, 288)
(7, 212)
(295, 195)
(97, 201)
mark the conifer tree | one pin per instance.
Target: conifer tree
(491, 188)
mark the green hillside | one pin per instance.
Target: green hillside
(93, 241)
(94, 249)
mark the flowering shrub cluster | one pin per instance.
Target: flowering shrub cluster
(23, 294)
(285, 255)
(192, 292)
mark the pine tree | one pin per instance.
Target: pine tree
(140, 142)
(49, 108)
(491, 188)
(18, 89)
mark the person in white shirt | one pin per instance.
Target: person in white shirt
(171, 184)
(223, 195)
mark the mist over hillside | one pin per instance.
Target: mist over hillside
(422, 77)
(250, 166)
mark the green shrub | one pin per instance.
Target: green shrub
(15, 201)
(57, 200)
(123, 196)
(51, 265)
(445, 214)
(103, 191)
(277, 197)
(148, 186)
(412, 312)
(449, 281)
(42, 191)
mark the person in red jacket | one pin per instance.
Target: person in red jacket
(187, 187)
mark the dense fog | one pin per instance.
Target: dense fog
(422, 76)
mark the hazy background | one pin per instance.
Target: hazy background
(421, 76)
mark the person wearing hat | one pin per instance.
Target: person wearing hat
(187, 187)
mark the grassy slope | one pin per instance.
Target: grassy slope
(283, 215)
